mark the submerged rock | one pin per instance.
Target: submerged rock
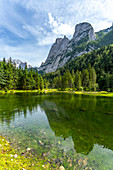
(82, 109)
(41, 143)
(61, 168)
(109, 113)
(85, 162)
(28, 149)
(15, 156)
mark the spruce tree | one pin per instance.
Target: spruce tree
(78, 80)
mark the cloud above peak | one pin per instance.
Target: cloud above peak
(58, 27)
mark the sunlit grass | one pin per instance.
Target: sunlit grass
(94, 93)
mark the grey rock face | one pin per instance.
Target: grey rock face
(57, 56)
(51, 63)
(82, 30)
(57, 47)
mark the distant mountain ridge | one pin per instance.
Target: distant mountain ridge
(18, 63)
(84, 40)
(21, 64)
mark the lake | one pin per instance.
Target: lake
(75, 131)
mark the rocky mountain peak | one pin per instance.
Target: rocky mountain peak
(83, 30)
(58, 46)
(58, 40)
(58, 57)
(52, 60)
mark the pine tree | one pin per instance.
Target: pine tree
(85, 79)
(37, 80)
(78, 80)
(25, 79)
(92, 79)
(32, 82)
(41, 82)
(2, 78)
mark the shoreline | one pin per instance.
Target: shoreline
(45, 91)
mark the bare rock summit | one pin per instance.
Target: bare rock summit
(84, 30)
(59, 52)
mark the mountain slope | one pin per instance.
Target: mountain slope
(58, 54)
(84, 40)
(101, 61)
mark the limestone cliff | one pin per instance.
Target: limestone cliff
(60, 50)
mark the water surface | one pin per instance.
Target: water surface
(75, 131)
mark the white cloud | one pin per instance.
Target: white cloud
(48, 40)
(43, 21)
(52, 21)
(34, 55)
(58, 27)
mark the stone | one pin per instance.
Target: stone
(28, 149)
(84, 162)
(41, 143)
(15, 156)
(61, 168)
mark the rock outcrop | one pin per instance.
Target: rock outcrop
(84, 30)
(59, 52)
(53, 58)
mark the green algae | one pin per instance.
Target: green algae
(9, 159)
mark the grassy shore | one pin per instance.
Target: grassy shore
(44, 91)
(29, 91)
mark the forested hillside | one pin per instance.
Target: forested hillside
(14, 78)
(90, 71)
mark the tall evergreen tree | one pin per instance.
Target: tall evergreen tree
(2, 78)
(85, 79)
(41, 82)
(92, 78)
(78, 82)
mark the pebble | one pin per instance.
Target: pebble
(85, 162)
(79, 161)
(15, 156)
(28, 149)
(59, 142)
(41, 143)
(62, 168)
(70, 165)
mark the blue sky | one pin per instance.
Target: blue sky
(28, 28)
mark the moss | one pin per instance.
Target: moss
(9, 158)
